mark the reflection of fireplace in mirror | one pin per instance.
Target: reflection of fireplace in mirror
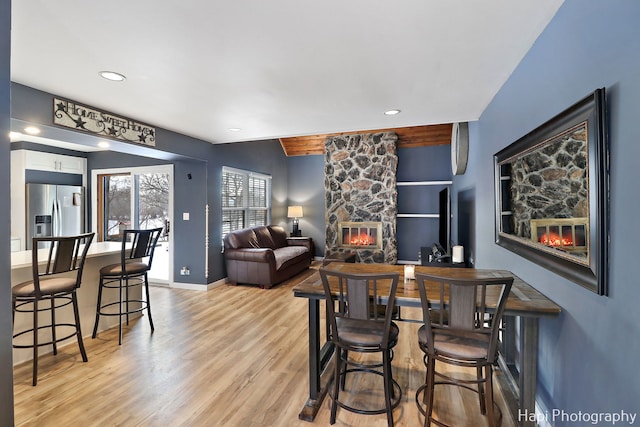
(566, 234)
(360, 235)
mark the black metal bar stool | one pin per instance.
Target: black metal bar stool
(131, 271)
(362, 324)
(60, 255)
(460, 329)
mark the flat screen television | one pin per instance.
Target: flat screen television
(444, 216)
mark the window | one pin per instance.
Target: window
(246, 199)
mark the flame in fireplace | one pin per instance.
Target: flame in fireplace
(553, 239)
(363, 239)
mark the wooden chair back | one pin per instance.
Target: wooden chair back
(463, 306)
(365, 297)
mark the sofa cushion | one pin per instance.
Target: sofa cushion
(289, 255)
(279, 236)
(263, 234)
(245, 238)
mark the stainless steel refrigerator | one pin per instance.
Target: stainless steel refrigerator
(54, 210)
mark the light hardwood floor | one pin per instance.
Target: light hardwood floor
(233, 356)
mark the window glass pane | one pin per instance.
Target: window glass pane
(232, 220)
(117, 209)
(153, 201)
(257, 217)
(245, 199)
(232, 189)
(257, 192)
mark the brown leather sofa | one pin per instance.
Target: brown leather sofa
(265, 256)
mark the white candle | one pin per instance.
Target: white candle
(409, 272)
(458, 254)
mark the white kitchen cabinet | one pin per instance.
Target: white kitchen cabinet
(38, 160)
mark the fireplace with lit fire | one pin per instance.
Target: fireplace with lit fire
(567, 234)
(360, 235)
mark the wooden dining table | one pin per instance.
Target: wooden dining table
(518, 356)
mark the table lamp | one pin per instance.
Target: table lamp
(295, 212)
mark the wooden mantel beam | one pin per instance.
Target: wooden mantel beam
(413, 136)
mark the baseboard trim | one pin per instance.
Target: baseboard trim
(217, 283)
(188, 286)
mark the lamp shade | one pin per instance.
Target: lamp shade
(294, 212)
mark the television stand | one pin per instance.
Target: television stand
(444, 264)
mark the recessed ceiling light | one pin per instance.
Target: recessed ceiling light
(391, 112)
(104, 144)
(234, 129)
(32, 130)
(112, 75)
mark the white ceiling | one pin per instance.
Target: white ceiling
(276, 68)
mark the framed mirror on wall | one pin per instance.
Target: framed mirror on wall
(551, 192)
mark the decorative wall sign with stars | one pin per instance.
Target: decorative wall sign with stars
(88, 119)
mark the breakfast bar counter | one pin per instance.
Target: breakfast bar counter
(99, 255)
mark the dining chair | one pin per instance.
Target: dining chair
(136, 257)
(57, 274)
(461, 327)
(358, 324)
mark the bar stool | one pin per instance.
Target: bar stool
(362, 324)
(129, 272)
(60, 255)
(460, 329)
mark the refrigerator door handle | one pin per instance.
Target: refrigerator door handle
(56, 218)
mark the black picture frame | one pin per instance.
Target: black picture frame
(590, 267)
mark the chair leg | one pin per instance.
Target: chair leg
(76, 314)
(53, 325)
(489, 395)
(343, 375)
(481, 390)
(35, 343)
(429, 390)
(146, 285)
(336, 385)
(388, 385)
(120, 313)
(126, 299)
(95, 325)
(426, 379)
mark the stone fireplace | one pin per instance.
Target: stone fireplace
(360, 189)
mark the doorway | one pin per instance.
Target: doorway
(139, 198)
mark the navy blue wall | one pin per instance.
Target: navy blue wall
(190, 195)
(306, 188)
(6, 357)
(588, 356)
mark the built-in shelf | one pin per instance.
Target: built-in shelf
(422, 183)
(408, 215)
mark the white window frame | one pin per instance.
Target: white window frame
(245, 196)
